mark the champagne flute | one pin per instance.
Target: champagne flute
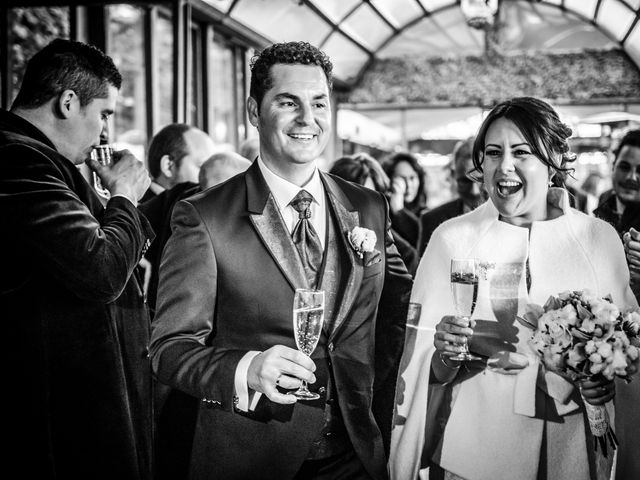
(308, 316)
(103, 154)
(464, 287)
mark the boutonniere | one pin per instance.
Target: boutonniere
(362, 240)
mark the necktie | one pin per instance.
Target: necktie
(305, 237)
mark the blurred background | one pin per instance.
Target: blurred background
(411, 75)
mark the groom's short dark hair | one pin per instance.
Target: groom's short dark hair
(289, 53)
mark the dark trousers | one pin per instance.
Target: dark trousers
(344, 466)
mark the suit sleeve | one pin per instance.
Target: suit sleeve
(180, 352)
(92, 257)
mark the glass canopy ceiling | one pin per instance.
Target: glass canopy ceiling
(356, 32)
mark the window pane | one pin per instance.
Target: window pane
(336, 9)
(615, 18)
(243, 91)
(30, 30)
(367, 26)
(432, 5)
(195, 91)
(282, 20)
(399, 11)
(586, 8)
(346, 57)
(126, 49)
(164, 79)
(221, 92)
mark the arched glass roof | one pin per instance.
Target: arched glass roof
(356, 32)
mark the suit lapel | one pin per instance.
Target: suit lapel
(347, 218)
(266, 218)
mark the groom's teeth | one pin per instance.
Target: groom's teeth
(300, 136)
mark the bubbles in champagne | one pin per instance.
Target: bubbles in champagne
(307, 324)
(464, 286)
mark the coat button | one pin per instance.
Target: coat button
(330, 347)
(321, 390)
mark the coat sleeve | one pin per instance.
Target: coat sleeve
(185, 317)
(431, 291)
(92, 257)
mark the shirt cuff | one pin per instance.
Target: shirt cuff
(135, 204)
(246, 401)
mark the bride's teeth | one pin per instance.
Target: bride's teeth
(301, 137)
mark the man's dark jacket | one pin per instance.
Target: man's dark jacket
(607, 211)
(76, 373)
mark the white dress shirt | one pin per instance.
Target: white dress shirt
(283, 192)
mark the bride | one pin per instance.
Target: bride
(505, 417)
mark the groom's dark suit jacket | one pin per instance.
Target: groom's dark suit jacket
(227, 281)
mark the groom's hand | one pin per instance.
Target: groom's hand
(280, 366)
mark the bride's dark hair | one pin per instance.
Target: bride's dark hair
(542, 129)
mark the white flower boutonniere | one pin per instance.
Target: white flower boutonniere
(362, 240)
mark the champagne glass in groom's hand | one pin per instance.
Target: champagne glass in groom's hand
(308, 316)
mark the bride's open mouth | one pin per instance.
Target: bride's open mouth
(508, 187)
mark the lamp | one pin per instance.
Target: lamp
(479, 13)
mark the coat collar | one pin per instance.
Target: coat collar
(9, 121)
(348, 218)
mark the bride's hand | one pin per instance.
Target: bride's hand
(452, 333)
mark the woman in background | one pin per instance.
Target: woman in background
(506, 417)
(365, 170)
(407, 195)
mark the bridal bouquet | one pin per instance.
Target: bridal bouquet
(580, 335)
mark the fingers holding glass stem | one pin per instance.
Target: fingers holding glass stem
(452, 338)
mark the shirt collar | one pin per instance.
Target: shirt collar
(283, 191)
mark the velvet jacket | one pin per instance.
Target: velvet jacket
(76, 327)
(227, 281)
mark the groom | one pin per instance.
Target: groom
(223, 332)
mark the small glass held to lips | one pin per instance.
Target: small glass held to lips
(308, 317)
(103, 154)
(464, 288)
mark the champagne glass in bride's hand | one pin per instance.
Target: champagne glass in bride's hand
(308, 316)
(464, 287)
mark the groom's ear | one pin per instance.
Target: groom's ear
(253, 111)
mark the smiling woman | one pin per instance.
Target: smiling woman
(519, 148)
(506, 416)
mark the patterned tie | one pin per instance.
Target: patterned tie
(305, 237)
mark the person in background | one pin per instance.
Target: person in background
(507, 416)
(591, 187)
(220, 167)
(250, 148)
(223, 332)
(470, 194)
(365, 170)
(407, 195)
(78, 398)
(620, 206)
(175, 155)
